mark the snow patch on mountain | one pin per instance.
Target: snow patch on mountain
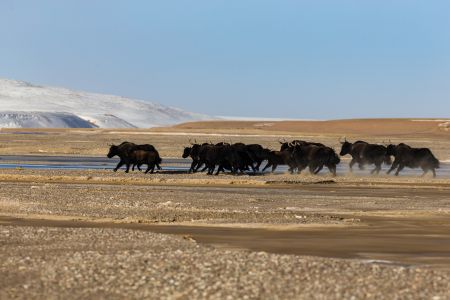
(12, 119)
(105, 111)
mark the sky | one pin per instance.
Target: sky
(282, 59)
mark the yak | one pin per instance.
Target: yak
(257, 154)
(406, 156)
(223, 156)
(275, 158)
(124, 150)
(364, 153)
(315, 157)
(141, 157)
(194, 153)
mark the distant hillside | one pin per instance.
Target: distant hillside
(372, 127)
(26, 105)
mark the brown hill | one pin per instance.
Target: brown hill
(371, 127)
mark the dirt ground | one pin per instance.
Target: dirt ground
(99, 234)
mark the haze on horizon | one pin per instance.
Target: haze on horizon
(280, 59)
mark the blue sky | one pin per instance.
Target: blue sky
(292, 59)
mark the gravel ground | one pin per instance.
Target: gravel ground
(68, 263)
(289, 204)
(54, 262)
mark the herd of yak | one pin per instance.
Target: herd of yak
(297, 155)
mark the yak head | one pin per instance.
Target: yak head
(186, 152)
(285, 146)
(346, 147)
(113, 151)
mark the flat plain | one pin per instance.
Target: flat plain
(98, 234)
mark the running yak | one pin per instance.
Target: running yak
(194, 152)
(233, 157)
(301, 154)
(406, 156)
(364, 153)
(315, 156)
(125, 152)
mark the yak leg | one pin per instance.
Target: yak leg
(258, 164)
(312, 168)
(148, 168)
(394, 165)
(332, 169)
(152, 169)
(120, 164)
(128, 167)
(352, 162)
(377, 168)
(202, 170)
(268, 165)
(434, 172)
(199, 164)
(193, 165)
(220, 168)
(425, 171)
(138, 166)
(291, 169)
(274, 166)
(400, 167)
(211, 169)
(317, 170)
(158, 166)
(300, 168)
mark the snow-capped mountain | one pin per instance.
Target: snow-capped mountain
(27, 105)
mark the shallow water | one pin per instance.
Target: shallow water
(169, 164)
